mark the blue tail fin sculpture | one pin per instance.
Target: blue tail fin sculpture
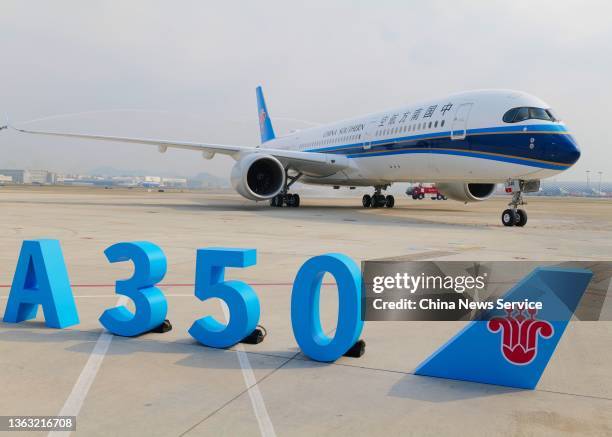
(512, 348)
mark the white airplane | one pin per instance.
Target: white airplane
(466, 143)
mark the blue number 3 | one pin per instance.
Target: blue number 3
(150, 303)
(241, 300)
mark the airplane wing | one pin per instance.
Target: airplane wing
(310, 163)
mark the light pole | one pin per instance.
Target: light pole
(588, 172)
(600, 173)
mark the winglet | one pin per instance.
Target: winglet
(513, 350)
(265, 125)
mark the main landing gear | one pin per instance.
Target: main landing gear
(287, 199)
(284, 198)
(514, 216)
(378, 200)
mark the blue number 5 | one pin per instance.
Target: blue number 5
(240, 298)
(150, 303)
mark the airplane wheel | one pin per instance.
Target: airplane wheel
(296, 200)
(290, 200)
(521, 217)
(378, 200)
(277, 201)
(509, 217)
(390, 201)
(366, 201)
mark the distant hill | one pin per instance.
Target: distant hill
(204, 179)
(201, 180)
(111, 171)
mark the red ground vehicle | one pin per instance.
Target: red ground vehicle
(420, 191)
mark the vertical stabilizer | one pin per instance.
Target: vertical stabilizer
(265, 124)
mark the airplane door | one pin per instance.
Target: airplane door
(368, 134)
(459, 125)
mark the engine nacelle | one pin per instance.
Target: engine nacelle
(466, 192)
(258, 177)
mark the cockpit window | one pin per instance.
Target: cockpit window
(539, 114)
(522, 114)
(509, 116)
(552, 115)
(515, 115)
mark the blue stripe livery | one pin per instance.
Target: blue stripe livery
(552, 147)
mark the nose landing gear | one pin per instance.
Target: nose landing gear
(514, 216)
(378, 200)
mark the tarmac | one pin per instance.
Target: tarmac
(169, 385)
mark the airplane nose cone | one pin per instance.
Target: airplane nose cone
(572, 151)
(564, 150)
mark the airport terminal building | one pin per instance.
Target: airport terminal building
(22, 176)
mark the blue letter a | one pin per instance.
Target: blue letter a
(41, 279)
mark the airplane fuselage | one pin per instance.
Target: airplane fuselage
(462, 137)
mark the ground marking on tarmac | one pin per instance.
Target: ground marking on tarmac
(77, 396)
(266, 428)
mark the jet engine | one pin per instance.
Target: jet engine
(466, 192)
(258, 177)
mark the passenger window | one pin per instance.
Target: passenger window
(442, 123)
(429, 125)
(436, 124)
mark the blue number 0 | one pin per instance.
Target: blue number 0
(150, 303)
(240, 298)
(305, 317)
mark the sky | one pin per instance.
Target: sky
(187, 70)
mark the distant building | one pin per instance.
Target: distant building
(17, 176)
(5, 179)
(23, 176)
(174, 182)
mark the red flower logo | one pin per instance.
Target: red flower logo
(520, 334)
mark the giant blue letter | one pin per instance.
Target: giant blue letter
(41, 279)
